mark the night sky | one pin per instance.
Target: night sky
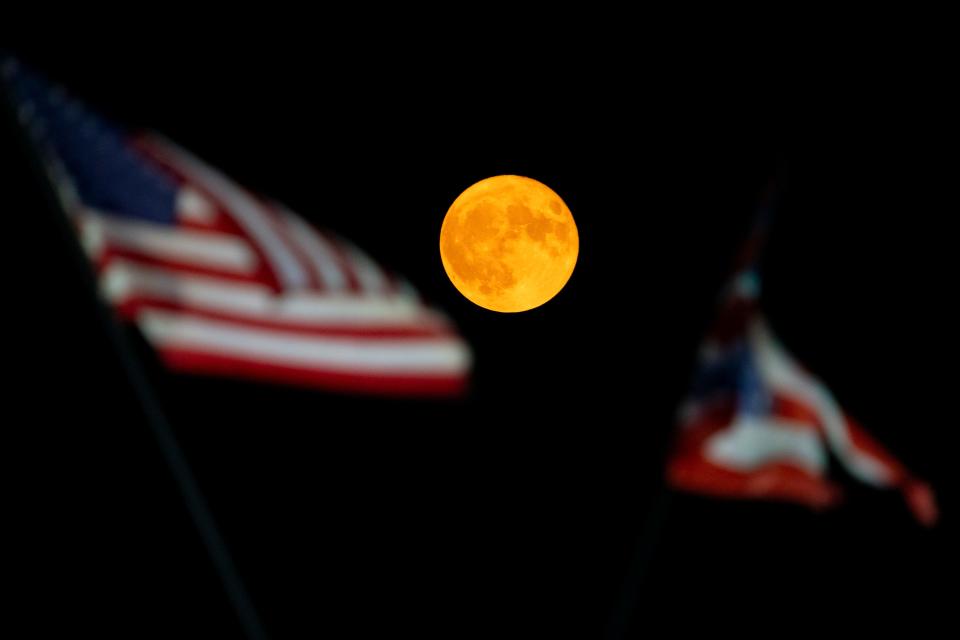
(515, 511)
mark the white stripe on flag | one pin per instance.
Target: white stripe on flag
(208, 249)
(123, 280)
(438, 356)
(193, 207)
(750, 444)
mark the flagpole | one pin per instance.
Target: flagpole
(159, 426)
(750, 256)
(621, 616)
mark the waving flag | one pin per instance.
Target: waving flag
(758, 425)
(222, 281)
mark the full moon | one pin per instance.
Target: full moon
(509, 243)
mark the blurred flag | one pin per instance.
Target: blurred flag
(758, 425)
(222, 281)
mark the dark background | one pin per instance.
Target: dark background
(514, 512)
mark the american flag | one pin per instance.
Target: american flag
(757, 424)
(223, 281)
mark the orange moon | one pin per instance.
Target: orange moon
(509, 243)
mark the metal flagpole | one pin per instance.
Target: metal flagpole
(142, 389)
(619, 622)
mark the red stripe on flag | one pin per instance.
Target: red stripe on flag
(189, 361)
